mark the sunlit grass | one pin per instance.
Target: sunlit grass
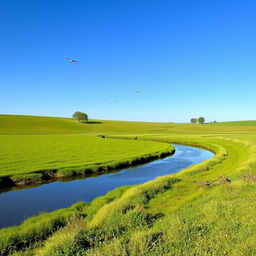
(68, 155)
(171, 215)
(181, 217)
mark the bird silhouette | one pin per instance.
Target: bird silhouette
(70, 60)
(138, 91)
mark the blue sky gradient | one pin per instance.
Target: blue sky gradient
(189, 58)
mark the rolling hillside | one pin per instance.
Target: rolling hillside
(17, 124)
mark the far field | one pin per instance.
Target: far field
(179, 214)
(12, 124)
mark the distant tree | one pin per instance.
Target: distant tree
(201, 120)
(79, 116)
(193, 120)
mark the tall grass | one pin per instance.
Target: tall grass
(36, 229)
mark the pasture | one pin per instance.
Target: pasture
(172, 215)
(28, 157)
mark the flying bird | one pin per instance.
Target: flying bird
(138, 91)
(70, 60)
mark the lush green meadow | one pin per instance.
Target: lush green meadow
(172, 215)
(34, 156)
(13, 124)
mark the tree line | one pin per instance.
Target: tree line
(199, 120)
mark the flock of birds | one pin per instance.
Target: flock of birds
(112, 102)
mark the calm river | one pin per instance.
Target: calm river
(15, 206)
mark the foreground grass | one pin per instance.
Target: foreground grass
(34, 230)
(171, 215)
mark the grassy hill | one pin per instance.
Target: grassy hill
(18, 124)
(32, 148)
(207, 209)
(238, 123)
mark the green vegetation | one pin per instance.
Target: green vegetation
(238, 123)
(26, 158)
(36, 229)
(80, 116)
(201, 120)
(172, 215)
(12, 124)
(193, 120)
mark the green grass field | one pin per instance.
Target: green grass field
(171, 215)
(12, 125)
(67, 155)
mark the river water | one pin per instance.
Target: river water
(16, 206)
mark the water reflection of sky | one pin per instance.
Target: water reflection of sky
(15, 206)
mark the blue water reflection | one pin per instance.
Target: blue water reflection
(15, 206)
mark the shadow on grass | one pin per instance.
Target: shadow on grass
(92, 122)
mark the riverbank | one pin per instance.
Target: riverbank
(44, 158)
(82, 209)
(160, 216)
(50, 175)
(71, 190)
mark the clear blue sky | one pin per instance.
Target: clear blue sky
(190, 58)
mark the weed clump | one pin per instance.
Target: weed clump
(26, 179)
(249, 178)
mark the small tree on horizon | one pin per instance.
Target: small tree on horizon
(80, 116)
(201, 120)
(193, 120)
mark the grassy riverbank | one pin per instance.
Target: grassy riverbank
(33, 158)
(179, 214)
